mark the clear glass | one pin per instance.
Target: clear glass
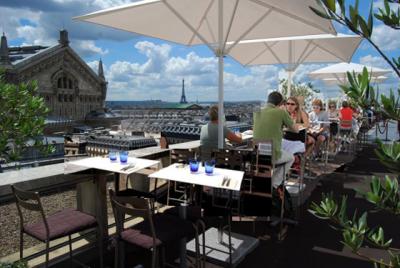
(112, 155)
(209, 167)
(194, 165)
(123, 156)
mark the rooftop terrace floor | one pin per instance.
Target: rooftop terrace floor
(313, 243)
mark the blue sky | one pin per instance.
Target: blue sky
(140, 68)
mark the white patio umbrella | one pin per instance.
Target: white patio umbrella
(293, 51)
(214, 23)
(374, 80)
(339, 72)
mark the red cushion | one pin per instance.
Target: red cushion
(65, 222)
(167, 228)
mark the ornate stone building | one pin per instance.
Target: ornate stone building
(69, 86)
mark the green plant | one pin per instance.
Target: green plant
(355, 231)
(17, 264)
(359, 25)
(307, 91)
(384, 194)
(389, 16)
(359, 89)
(389, 155)
(391, 105)
(22, 117)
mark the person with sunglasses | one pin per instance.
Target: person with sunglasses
(319, 122)
(268, 125)
(296, 113)
(333, 113)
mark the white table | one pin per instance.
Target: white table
(100, 163)
(182, 173)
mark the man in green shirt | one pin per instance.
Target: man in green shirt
(268, 124)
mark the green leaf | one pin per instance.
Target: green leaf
(322, 14)
(331, 4)
(364, 27)
(371, 19)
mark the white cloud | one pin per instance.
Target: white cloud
(86, 48)
(386, 38)
(380, 4)
(160, 77)
(374, 61)
(38, 22)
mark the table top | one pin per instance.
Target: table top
(182, 173)
(133, 165)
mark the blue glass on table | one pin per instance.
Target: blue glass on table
(194, 165)
(123, 157)
(112, 155)
(209, 167)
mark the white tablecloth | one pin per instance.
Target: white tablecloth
(101, 163)
(180, 173)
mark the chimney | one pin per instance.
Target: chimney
(100, 71)
(4, 56)
(63, 38)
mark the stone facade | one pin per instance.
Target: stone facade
(68, 85)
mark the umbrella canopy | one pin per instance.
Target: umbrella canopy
(374, 79)
(339, 71)
(293, 51)
(214, 23)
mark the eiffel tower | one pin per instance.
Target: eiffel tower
(183, 97)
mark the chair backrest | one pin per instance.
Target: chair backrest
(227, 158)
(346, 124)
(30, 201)
(138, 208)
(263, 153)
(182, 155)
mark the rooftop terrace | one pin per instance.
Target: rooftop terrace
(312, 243)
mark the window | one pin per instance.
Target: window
(69, 83)
(59, 83)
(65, 98)
(60, 98)
(65, 82)
(71, 98)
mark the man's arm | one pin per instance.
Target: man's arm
(233, 137)
(288, 122)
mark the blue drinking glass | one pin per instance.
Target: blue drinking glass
(112, 155)
(209, 167)
(123, 157)
(194, 165)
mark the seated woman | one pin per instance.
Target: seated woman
(319, 130)
(346, 115)
(333, 113)
(209, 134)
(294, 142)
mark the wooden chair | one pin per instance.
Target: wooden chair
(153, 233)
(48, 228)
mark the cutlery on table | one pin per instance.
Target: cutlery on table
(128, 167)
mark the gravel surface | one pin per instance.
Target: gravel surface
(9, 220)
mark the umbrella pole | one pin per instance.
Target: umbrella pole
(221, 117)
(220, 54)
(289, 84)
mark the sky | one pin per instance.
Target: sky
(141, 68)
